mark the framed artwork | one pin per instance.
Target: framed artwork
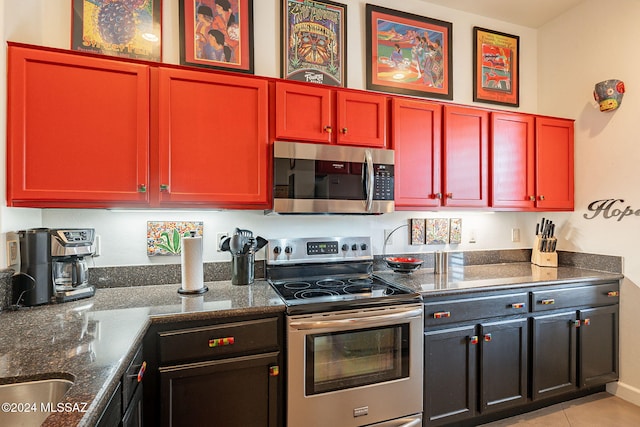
(496, 67)
(417, 231)
(217, 34)
(164, 237)
(408, 54)
(437, 231)
(131, 29)
(455, 231)
(314, 41)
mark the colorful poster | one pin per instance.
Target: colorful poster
(126, 28)
(496, 67)
(165, 237)
(314, 42)
(437, 231)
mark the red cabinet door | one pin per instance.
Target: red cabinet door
(554, 164)
(304, 113)
(78, 130)
(466, 157)
(416, 139)
(361, 119)
(213, 142)
(513, 162)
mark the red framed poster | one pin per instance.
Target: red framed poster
(496, 67)
(217, 34)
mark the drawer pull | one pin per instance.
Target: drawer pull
(141, 372)
(219, 342)
(576, 323)
(274, 371)
(487, 337)
(441, 314)
(586, 322)
(549, 301)
(613, 294)
(473, 339)
(517, 305)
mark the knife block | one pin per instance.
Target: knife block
(543, 259)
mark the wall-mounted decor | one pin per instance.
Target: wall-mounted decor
(437, 231)
(455, 231)
(418, 235)
(217, 34)
(126, 28)
(164, 237)
(314, 41)
(408, 54)
(609, 94)
(496, 68)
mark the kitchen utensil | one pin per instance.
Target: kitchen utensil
(236, 244)
(260, 243)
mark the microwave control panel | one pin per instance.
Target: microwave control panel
(383, 182)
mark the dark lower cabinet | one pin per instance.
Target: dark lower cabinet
(598, 346)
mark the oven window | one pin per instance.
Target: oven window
(341, 360)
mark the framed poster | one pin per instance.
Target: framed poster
(217, 34)
(314, 41)
(496, 68)
(408, 54)
(131, 28)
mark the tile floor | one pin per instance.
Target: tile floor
(596, 410)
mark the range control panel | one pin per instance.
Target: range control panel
(321, 249)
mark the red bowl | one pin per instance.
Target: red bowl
(403, 264)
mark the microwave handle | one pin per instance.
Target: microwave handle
(369, 179)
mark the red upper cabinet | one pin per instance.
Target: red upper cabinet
(466, 157)
(416, 139)
(213, 140)
(513, 161)
(320, 114)
(554, 164)
(78, 130)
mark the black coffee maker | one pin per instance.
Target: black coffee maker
(51, 266)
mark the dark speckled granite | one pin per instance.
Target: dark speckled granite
(5, 288)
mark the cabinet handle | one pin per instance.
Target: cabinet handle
(532, 198)
(164, 187)
(344, 131)
(274, 371)
(441, 314)
(613, 294)
(473, 339)
(449, 195)
(219, 342)
(140, 374)
(549, 301)
(586, 322)
(541, 197)
(142, 188)
(328, 129)
(517, 305)
(576, 323)
(487, 337)
(438, 195)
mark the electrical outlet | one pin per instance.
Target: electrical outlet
(515, 234)
(219, 238)
(388, 240)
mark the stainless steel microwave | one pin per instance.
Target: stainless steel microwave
(321, 178)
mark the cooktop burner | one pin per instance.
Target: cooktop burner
(370, 286)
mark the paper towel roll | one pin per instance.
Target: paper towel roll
(192, 267)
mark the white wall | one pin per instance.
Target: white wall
(591, 43)
(48, 23)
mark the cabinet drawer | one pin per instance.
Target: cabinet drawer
(218, 340)
(132, 378)
(443, 312)
(595, 295)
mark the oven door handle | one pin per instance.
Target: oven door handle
(370, 179)
(357, 321)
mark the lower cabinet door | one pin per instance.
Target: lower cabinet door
(133, 414)
(503, 364)
(598, 344)
(235, 392)
(450, 375)
(554, 354)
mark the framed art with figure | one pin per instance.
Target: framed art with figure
(408, 54)
(314, 41)
(217, 34)
(496, 68)
(130, 29)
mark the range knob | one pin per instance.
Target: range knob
(277, 250)
(288, 250)
(345, 247)
(363, 246)
(354, 247)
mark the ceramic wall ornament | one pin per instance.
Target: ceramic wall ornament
(609, 94)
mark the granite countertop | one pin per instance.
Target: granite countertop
(92, 341)
(482, 278)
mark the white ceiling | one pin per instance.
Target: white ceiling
(528, 13)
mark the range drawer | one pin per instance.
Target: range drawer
(595, 295)
(462, 310)
(218, 340)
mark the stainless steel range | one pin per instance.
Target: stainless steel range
(354, 340)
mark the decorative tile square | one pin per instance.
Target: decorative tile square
(437, 231)
(417, 231)
(164, 237)
(455, 231)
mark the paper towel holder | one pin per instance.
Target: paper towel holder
(182, 290)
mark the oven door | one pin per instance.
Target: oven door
(356, 367)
